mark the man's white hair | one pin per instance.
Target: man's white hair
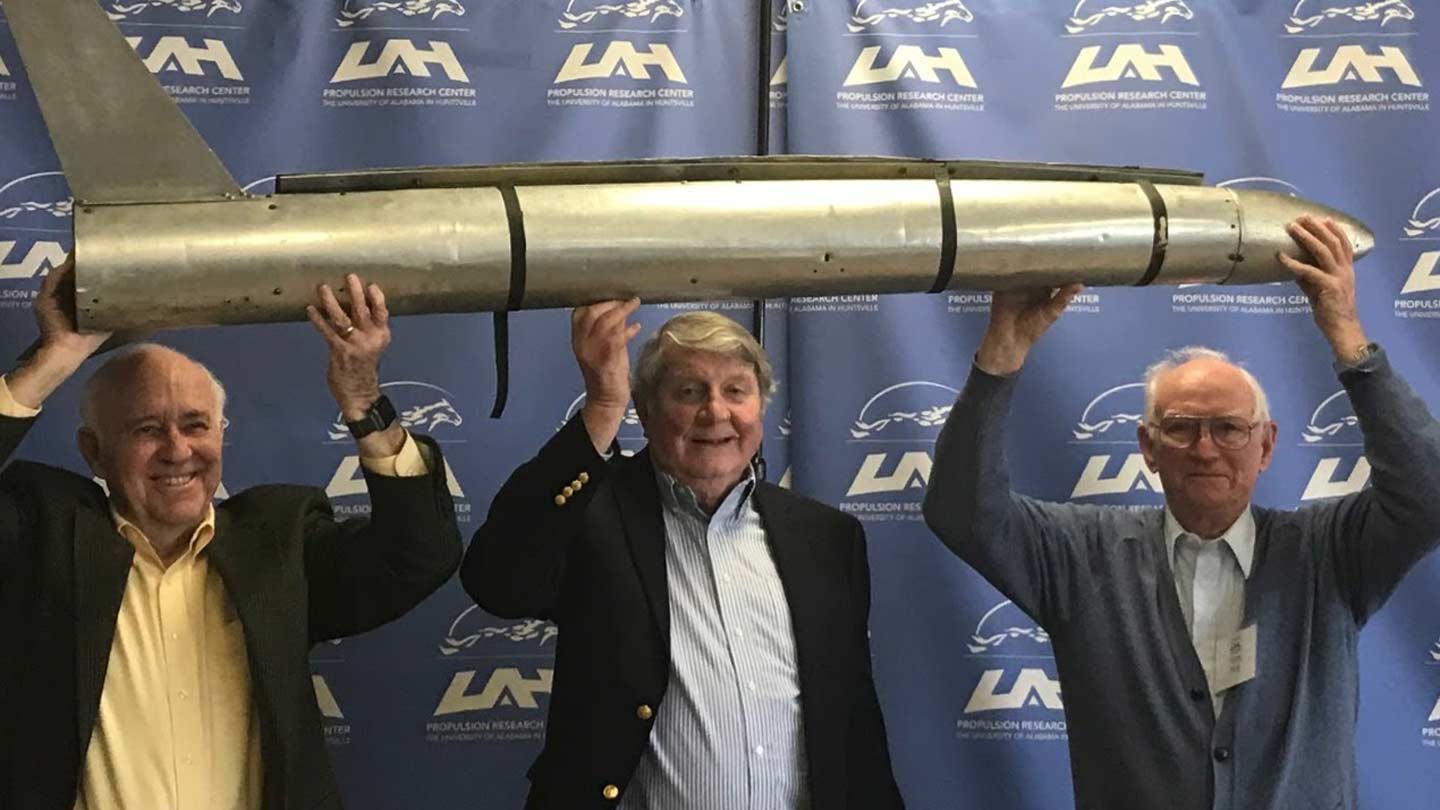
(1175, 358)
(91, 396)
(702, 331)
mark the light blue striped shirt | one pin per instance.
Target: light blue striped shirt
(729, 734)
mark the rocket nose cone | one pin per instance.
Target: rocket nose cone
(1267, 216)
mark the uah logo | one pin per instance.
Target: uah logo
(907, 412)
(4, 70)
(38, 203)
(581, 13)
(780, 20)
(469, 629)
(782, 73)
(353, 11)
(1424, 224)
(1333, 424)
(1006, 626)
(506, 687)
(171, 54)
(935, 14)
(325, 699)
(632, 433)
(1350, 63)
(909, 62)
(1112, 418)
(399, 57)
(1434, 712)
(621, 58)
(1310, 14)
(1090, 14)
(122, 10)
(421, 408)
(1130, 60)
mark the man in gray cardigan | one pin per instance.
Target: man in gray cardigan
(1206, 651)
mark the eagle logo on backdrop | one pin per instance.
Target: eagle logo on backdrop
(1090, 13)
(870, 13)
(1435, 651)
(419, 406)
(1425, 219)
(120, 9)
(581, 12)
(1115, 409)
(1308, 14)
(353, 11)
(1262, 184)
(1333, 421)
(918, 404)
(41, 199)
(468, 630)
(1003, 624)
(58, 209)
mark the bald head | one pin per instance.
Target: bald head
(153, 430)
(1196, 365)
(135, 368)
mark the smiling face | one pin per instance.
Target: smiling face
(1206, 486)
(157, 441)
(704, 421)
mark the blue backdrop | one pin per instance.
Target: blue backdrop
(445, 708)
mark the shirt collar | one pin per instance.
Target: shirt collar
(675, 495)
(199, 539)
(1240, 537)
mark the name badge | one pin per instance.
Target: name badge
(1235, 659)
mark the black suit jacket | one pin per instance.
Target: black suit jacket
(595, 564)
(295, 575)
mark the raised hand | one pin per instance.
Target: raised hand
(356, 340)
(62, 348)
(599, 335)
(1017, 320)
(1328, 280)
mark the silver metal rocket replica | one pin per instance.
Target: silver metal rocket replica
(165, 237)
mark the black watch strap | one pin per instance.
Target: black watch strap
(380, 415)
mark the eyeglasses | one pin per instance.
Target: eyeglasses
(1180, 432)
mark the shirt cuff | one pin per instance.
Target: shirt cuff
(410, 462)
(1367, 362)
(9, 407)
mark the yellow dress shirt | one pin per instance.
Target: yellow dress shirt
(177, 729)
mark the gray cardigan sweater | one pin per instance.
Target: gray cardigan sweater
(1142, 731)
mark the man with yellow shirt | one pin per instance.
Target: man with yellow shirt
(153, 647)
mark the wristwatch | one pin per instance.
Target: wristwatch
(380, 415)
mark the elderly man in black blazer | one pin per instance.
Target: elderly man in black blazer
(153, 647)
(713, 652)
